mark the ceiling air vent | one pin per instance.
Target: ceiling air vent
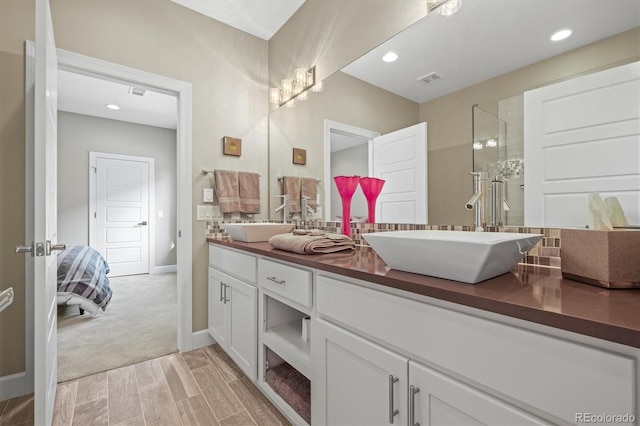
(138, 91)
(430, 78)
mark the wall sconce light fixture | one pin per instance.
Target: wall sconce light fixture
(444, 7)
(295, 87)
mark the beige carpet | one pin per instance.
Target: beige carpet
(139, 324)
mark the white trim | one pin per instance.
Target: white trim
(107, 70)
(29, 311)
(13, 385)
(163, 269)
(93, 201)
(201, 339)
(330, 125)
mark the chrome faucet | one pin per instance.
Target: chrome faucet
(305, 207)
(499, 204)
(284, 208)
(478, 200)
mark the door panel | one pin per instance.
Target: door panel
(41, 170)
(443, 401)
(595, 118)
(355, 389)
(122, 206)
(400, 158)
(217, 308)
(243, 330)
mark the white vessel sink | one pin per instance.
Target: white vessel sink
(469, 257)
(254, 232)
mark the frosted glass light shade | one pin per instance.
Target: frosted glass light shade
(301, 76)
(450, 7)
(274, 95)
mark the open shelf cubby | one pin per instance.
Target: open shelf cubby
(283, 334)
(287, 385)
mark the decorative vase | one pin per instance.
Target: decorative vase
(371, 188)
(347, 185)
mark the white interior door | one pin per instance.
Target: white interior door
(400, 158)
(582, 136)
(122, 214)
(41, 87)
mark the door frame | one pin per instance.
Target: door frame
(330, 125)
(93, 200)
(86, 65)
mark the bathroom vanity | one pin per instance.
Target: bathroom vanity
(390, 347)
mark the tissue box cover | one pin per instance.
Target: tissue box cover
(604, 258)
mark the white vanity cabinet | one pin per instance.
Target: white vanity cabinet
(362, 383)
(467, 368)
(233, 306)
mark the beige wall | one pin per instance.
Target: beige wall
(346, 100)
(226, 67)
(449, 117)
(332, 33)
(80, 134)
(16, 25)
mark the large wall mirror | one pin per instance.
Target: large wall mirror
(487, 54)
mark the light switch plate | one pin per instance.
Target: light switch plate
(207, 195)
(204, 212)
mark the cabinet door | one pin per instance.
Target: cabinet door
(218, 307)
(442, 400)
(243, 327)
(356, 382)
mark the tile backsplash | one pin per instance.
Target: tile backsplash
(546, 253)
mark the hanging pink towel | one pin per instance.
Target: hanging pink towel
(249, 192)
(226, 185)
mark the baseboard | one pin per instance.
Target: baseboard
(201, 339)
(163, 269)
(13, 385)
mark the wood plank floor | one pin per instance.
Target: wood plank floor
(201, 387)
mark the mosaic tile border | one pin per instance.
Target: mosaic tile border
(546, 253)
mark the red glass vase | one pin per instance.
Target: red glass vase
(371, 188)
(347, 185)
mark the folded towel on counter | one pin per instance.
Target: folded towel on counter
(309, 188)
(249, 192)
(226, 186)
(291, 187)
(312, 241)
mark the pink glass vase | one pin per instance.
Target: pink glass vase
(371, 188)
(347, 185)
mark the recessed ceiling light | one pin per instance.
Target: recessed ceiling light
(390, 57)
(112, 106)
(561, 34)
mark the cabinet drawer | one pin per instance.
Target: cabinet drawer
(543, 371)
(287, 281)
(237, 264)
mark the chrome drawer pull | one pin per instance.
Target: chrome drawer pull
(275, 280)
(392, 412)
(221, 296)
(413, 390)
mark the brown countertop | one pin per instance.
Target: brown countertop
(529, 293)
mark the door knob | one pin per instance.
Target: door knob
(143, 223)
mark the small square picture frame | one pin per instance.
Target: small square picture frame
(232, 146)
(299, 156)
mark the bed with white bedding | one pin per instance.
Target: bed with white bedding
(82, 279)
